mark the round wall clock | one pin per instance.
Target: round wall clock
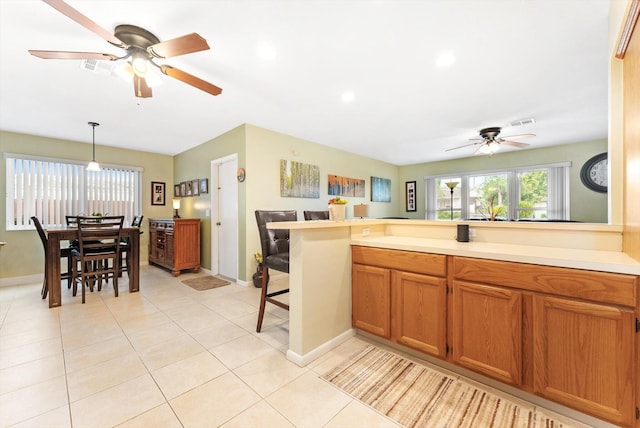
(241, 175)
(594, 173)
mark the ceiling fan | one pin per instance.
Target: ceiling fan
(490, 142)
(141, 48)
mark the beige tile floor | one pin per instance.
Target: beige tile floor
(168, 356)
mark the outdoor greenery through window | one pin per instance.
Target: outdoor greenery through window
(531, 193)
(52, 189)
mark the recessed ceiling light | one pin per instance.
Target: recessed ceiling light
(445, 59)
(266, 52)
(348, 97)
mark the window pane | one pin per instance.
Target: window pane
(446, 199)
(488, 196)
(533, 203)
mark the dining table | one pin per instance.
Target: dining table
(56, 235)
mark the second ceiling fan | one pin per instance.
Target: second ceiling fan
(141, 49)
(490, 142)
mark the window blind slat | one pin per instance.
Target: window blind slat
(52, 190)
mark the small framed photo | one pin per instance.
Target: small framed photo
(195, 188)
(204, 185)
(176, 191)
(411, 195)
(189, 192)
(183, 188)
(157, 193)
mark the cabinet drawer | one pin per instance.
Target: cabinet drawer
(618, 289)
(408, 261)
(161, 224)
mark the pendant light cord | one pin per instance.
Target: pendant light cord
(93, 125)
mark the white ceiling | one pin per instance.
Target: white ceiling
(514, 59)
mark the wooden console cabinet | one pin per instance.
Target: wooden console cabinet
(568, 335)
(175, 244)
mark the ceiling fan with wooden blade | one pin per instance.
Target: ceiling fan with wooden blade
(489, 141)
(141, 48)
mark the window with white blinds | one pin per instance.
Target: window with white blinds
(53, 188)
(538, 192)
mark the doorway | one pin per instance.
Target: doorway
(224, 217)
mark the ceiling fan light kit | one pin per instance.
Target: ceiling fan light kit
(490, 143)
(141, 48)
(489, 148)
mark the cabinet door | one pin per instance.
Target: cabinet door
(371, 288)
(160, 245)
(153, 249)
(487, 330)
(584, 356)
(186, 244)
(169, 253)
(418, 312)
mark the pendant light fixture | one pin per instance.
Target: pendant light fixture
(93, 165)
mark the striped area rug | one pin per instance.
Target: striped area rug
(416, 396)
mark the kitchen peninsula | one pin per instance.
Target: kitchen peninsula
(539, 307)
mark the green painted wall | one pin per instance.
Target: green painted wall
(266, 148)
(196, 163)
(585, 205)
(259, 151)
(23, 255)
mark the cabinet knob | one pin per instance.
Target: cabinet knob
(218, 223)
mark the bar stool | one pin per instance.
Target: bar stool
(275, 255)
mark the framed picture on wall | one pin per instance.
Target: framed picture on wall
(380, 189)
(176, 191)
(157, 193)
(195, 187)
(411, 195)
(183, 188)
(204, 185)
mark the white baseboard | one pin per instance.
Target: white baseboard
(303, 360)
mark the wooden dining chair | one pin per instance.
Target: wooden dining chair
(125, 247)
(275, 255)
(98, 252)
(65, 252)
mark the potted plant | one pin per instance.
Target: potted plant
(257, 277)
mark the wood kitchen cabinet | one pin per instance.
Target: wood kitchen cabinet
(584, 356)
(577, 336)
(371, 299)
(396, 295)
(418, 315)
(175, 244)
(568, 335)
(486, 327)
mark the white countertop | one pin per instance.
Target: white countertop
(590, 259)
(607, 261)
